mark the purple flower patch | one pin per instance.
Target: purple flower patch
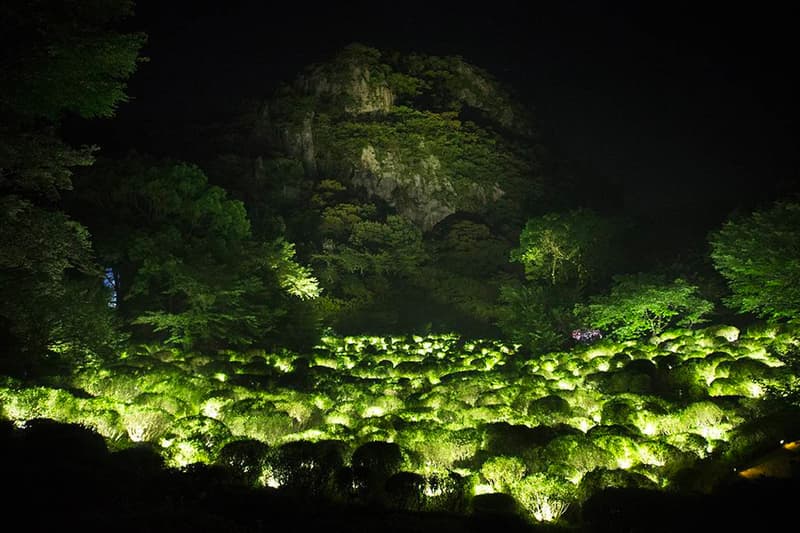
(587, 335)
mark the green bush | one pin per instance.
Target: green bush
(405, 491)
(645, 305)
(194, 439)
(257, 419)
(602, 478)
(306, 468)
(539, 317)
(501, 472)
(544, 497)
(245, 459)
(146, 424)
(759, 256)
(579, 453)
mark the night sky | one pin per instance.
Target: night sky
(667, 110)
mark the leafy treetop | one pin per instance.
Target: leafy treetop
(759, 256)
(645, 304)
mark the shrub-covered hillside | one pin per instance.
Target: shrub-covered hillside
(438, 422)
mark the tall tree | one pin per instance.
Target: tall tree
(56, 58)
(468, 263)
(566, 248)
(182, 258)
(366, 261)
(759, 256)
(562, 254)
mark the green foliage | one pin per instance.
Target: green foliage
(699, 415)
(787, 387)
(171, 404)
(759, 256)
(65, 57)
(56, 58)
(258, 420)
(363, 259)
(104, 421)
(119, 383)
(429, 91)
(576, 453)
(37, 402)
(503, 472)
(562, 254)
(192, 271)
(450, 84)
(380, 459)
(438, 447)
(305, 468)
(537, 316)
(438, 145)
(447, 403)
(82, 325)
(51, 293)
(369, 136)
(56, 242)
(38, 164)
(471, 248)
(245, 459)
(566, 248)
(146, 424)
(466, 270)
(194, 439)
(602, 478)
(645, 304)
(544, 497)
(624, 448)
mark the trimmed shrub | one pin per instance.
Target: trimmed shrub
(405, 491)
(194, 439)
(245, 460)
(306, 468)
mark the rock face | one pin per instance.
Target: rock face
(418, 196)
(363, 95)
(428, 136)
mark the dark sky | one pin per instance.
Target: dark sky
(690, 110)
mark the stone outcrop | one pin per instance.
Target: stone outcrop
(361, 93)
(418, 196)
(392, 126)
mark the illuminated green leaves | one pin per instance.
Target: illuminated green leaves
(196, 275)
(759, 256)
(560, 248)
(545, 497)
(643, 304)
(443, 415)
(503, 472)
